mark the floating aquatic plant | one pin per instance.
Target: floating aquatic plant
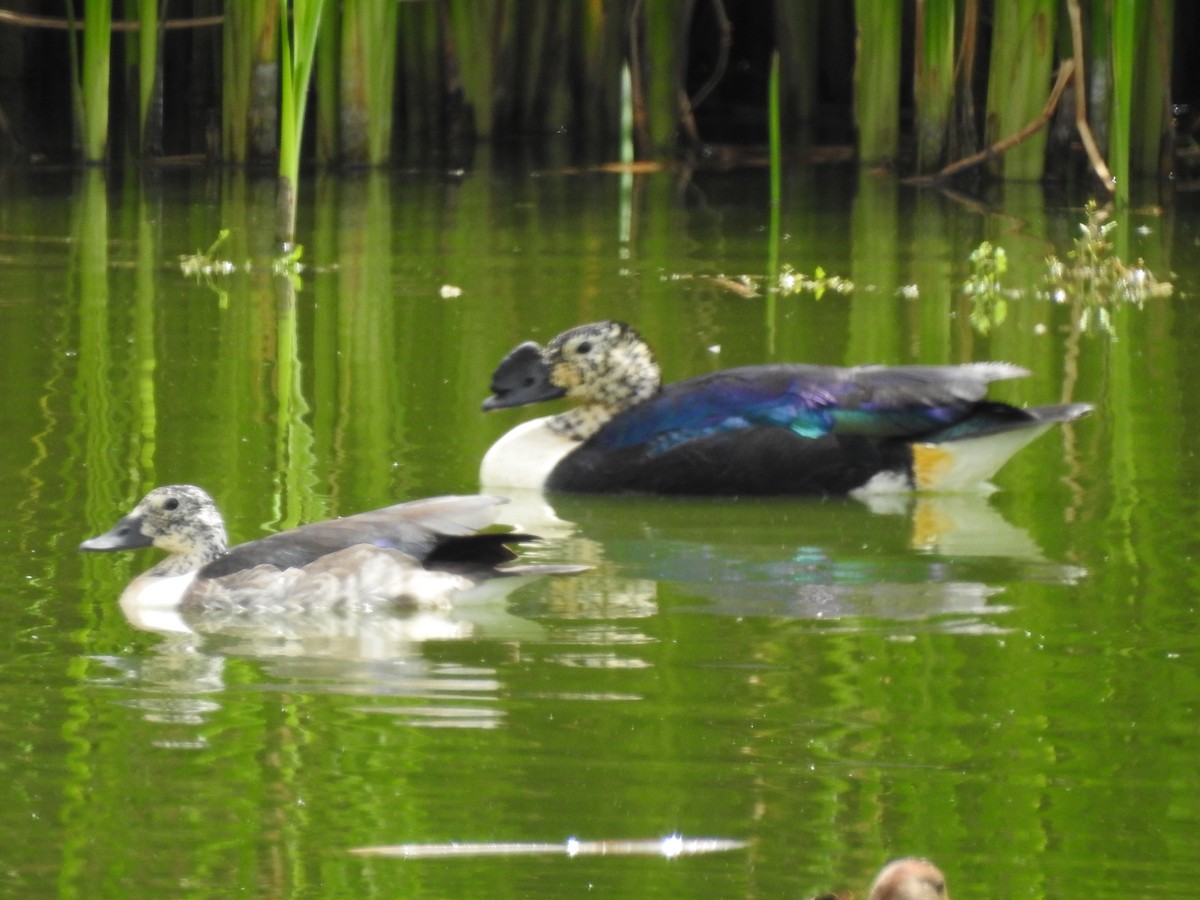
(793, 282)
(204, 264)
(1095, 277)
(787, 283)
(989, 298)
(287, 265)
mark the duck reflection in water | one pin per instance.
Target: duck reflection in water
(939, 557)
(426, 555)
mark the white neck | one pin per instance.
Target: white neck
(525, 456)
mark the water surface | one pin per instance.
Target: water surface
(1006, 684)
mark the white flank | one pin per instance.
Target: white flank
(966, 464)
(882, 485)
(524, 457)
(973, 461)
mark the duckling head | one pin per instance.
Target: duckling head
(910, 878)
(607, 365)
(181, 519)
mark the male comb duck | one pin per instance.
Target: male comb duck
(773, 429)
(422, 554)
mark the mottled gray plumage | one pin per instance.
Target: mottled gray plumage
(421, 552)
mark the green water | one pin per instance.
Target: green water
(1008, 685)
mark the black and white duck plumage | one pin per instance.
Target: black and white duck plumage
(754, 430)
(420, 553)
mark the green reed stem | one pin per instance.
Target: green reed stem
(933, 82)
(774, 130)
(368, 82)
(298, 46)
(1098, 35)
(1018, 82)
(663, 36)
(328, 69)
(1152, 120)
(798, 40)
(148, 82)
(97, 56)
(775, 133)
(599, 64)
(247, 52)
(877, 83)
(474, 27)
(1124, 27)
(419, 84)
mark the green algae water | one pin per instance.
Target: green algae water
(1007, 684)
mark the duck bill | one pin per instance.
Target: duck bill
(522, 377)
(125, 535)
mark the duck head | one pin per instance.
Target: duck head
(607, 365)
(910, 878)
(181, 519)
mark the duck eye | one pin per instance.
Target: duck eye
(171, 503)
(584, 347)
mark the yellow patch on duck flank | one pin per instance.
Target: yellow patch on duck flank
(931, 464)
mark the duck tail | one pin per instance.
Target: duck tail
(969, 454)
(1061, 412)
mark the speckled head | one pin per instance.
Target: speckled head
(178, 518)
(606, 363)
